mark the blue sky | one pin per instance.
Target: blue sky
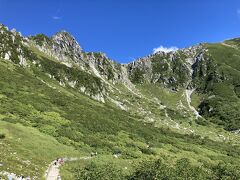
(126, 29)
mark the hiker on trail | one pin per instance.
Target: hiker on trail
(61, 161)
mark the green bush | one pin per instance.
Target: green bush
(202, 121)
(2, 136)
(183, 170)
(98, 172)
(137, 76)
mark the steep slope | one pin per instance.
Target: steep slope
(26, 151)
(222, 104)
(209, 69)
(145, 109)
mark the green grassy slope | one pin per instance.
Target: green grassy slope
(48, 112)
(26, 151)
(223, 105)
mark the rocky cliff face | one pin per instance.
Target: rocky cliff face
(12, 46)
(61, 58)
(62, 46)
(173, 70)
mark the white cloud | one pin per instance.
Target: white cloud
(165, 49)
(56, 18)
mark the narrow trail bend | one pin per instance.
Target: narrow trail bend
(53, 172)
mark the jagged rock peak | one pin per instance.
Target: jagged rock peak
(66, 39)
(3, 26)
(14, 32)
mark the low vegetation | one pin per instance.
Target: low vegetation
(47, 110)
(150, 169)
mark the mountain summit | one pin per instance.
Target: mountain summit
(177, 104)
(200, 69)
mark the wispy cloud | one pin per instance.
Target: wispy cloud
(165, 49)
(238, 12)
(56, 17)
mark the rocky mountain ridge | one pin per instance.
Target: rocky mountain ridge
(189, 71)
(64, 48)
(72, 103)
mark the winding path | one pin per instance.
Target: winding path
(189, 100)
(53, 172)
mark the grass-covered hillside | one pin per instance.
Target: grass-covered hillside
(139, 129)
(75, 124)
(223, 103)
